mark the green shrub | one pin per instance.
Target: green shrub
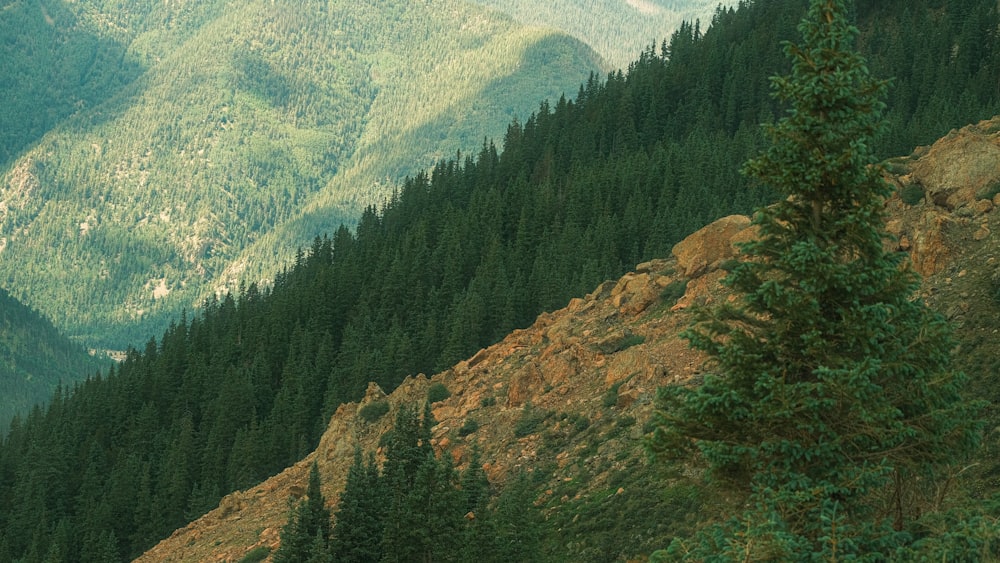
(468, 427)
(256, 554)
(488, 401)
(613, 345)
(610, 398)
(989, 192)
(374, 411)
(911, 194)
(626, 422)
(554, 440)
(437, 392)
(531, 419)
(674, 290)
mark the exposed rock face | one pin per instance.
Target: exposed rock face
(962, 167)
(621, 339)
(960, 176)
(709, 246)
(603, 356)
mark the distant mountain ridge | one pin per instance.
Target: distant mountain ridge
(617, 29)
(201, 127)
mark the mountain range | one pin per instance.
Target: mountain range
(617, 30)
(156, 153)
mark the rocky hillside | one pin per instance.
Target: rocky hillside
(569, 397)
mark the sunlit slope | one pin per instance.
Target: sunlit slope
(245, 115)
(617, 29)
(412, 129)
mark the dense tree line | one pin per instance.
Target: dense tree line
(582, 190)
(416, 507)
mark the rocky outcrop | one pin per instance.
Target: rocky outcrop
(962, 167)
(959, 179)
(710, 246)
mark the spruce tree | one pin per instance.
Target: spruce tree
(361, 514)
(307, 534)
(829, 390)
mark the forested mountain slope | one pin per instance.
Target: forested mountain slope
(148, 144)
(461, 256)
(35, 359)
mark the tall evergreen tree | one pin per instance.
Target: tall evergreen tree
(830, 386)
(360, 514)
(517, 522)
(306, 537)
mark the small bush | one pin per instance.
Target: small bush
(531, 419)
(554, 440)
(610, 398)
(613, 345)
(911, 194)
(581, 423)
(488, 401)
(674, 290)
(374, 411)
(256, 554)
(437, 392)
(989, 192)
(468, 427)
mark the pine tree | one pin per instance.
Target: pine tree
(361, 514)
(830, 387)
(518, 524)
(479, 533)
(307, 534)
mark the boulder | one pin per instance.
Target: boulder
(708, 247)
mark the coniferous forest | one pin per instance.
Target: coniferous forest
(585, 188)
